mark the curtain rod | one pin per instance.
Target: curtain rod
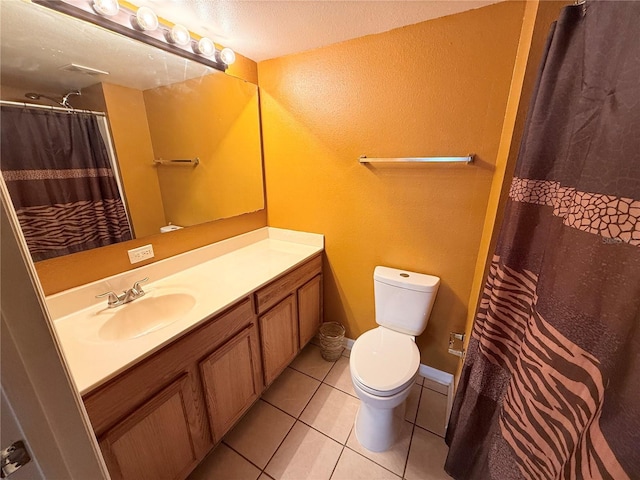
(49, 107)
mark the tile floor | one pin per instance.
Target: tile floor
(302, 428)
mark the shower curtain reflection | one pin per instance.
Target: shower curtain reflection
(61, 181)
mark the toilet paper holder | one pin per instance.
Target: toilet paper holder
(456, 340)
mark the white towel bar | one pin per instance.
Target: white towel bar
(467, 159)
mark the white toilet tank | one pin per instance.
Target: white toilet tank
(403, 299)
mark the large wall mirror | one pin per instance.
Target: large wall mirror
(159, 108)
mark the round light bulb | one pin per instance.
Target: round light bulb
(145, 19)
(227, 56)
(179, 35)
(106, 7)
(204, 47)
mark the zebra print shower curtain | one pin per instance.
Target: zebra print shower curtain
(61, 182)
(550, 388)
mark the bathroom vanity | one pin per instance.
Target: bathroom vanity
(159, 401)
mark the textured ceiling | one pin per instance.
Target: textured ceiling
(36, 42)
(266, 29)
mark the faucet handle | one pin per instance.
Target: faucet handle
(138, 288)
(113, 300)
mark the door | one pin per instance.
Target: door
(35, 381)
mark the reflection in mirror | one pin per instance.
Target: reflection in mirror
(158, 106)
(61, 181)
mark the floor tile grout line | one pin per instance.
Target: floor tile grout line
(343, 445)
(374, 461)
(311, 376)
(406, 461)
(423, 427)
(429, 431)
(434, 390)
(371, 459)
(322, 433)
(237, 452)
(296, 420)
(303, 408)
(278, 448)
(341, 390)
(337, 461)
(311, 426)
(262, 470)
(413, 431)
(412, 423)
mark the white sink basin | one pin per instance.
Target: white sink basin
(145, 315)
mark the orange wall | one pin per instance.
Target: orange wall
(132, 142)
(436, 88)
(216, 119)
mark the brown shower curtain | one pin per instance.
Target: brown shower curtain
(61, 182)
(550, 388)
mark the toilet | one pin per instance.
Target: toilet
(384, 361)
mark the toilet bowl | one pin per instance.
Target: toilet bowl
(384, 362)
(384, 365)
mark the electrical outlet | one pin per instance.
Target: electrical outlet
(140, 254)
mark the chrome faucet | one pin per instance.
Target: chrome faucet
(127, 296)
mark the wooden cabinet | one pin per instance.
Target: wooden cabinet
(154, 441)
(279, 338)
(160, 418)
(309, 309)
(290, 312)
(231, 378)
(155, 417)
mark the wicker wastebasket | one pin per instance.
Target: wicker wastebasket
(331, 340)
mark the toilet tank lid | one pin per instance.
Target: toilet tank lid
(406, 279)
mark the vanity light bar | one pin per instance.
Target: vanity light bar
(145, 19)
(139, 26)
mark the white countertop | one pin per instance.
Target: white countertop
(217, 276)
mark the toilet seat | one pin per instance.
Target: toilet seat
(384, 362)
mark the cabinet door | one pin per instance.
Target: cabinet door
(231, 378)
(154, 441)
(309, 309)
(279, 338)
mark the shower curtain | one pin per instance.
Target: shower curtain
(550, 387)
(61, 182)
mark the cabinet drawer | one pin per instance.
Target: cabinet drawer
(268, 296)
